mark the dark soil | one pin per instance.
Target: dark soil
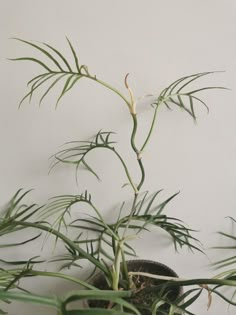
(146, 290)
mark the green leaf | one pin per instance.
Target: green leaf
(75, 56)
(35, 87)
(37, 77)
(14, 202)
(60, 55)
(77, 77)
(206, 88)
(45, 52)
(175, 94)
(90, 169)
(76, 154)
(32, 59)
(30, 298)
(65, 88)
(37, 83)
(21, 262)
(51, 86)
(195, 77)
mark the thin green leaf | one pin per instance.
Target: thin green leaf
(90, 169)
(30, 298)
(38, 83)
(74, 54)
(32, 59)
(192, 107)
(37, 77)
(197, 76)
(45, 52)
(64, 90)
(29, 94)
(60, 55)
(78, 77)
(21, 243)
(206, 88)
(51, 86)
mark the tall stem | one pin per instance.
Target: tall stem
(120, 255)
(134, 131)
(126, 171)
(136, 150)
(131, 214)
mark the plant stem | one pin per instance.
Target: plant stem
(120, 255)
(181, 281)
(142, 172)
(136, 150)
(116, 265)
(126, 171)
(108, 86)
(151, 128)
(103, 83)
(131, 214)
(134, 131)
(124, 265)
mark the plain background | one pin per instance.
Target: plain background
(156, 42)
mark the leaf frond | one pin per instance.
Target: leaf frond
(176, 93)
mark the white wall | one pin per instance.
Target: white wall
(156, 42)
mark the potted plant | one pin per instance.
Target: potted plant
(118, 283)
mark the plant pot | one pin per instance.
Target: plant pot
(146, 288)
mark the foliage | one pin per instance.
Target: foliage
(105, 245)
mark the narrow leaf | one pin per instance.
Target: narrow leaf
(34, 60)
(60, 55)
(75, 56)
(45, 52)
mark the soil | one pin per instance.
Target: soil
(146, 289)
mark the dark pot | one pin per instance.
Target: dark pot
(147, 288)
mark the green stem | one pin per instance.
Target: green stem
(61, 236)
(124, 265)
(119, 255)
(103, 83)
(125, 231)
(175, 281)
(142, 172)
(108, 86)
(121, 160)
(151, 128)
(126, 171)
(130, 215)
(116, 266)
(138, 152)
(134, 131)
